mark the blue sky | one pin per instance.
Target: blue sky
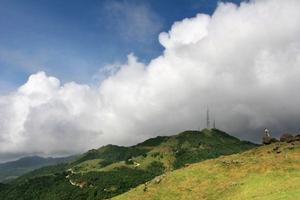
(73, 39)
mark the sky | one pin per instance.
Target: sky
(67, 38)
(77, 75)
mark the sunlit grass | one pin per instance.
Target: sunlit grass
(259, 174)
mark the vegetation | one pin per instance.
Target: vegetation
(193, 147)
(264, 173)
(13, 169)
(111, 170)
(96, 185)
(112, 153)
(153, 142)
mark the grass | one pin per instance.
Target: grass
(112, 170)
(174, 152)
(258, 174)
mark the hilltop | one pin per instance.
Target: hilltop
(111, 170)
(264, 173)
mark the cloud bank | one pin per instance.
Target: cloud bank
(243, 62)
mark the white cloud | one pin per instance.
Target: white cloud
(244, 62)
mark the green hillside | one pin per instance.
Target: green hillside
(264, 173)
(111, 170)
(13, 169)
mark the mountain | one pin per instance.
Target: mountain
(112, 170)
(264, 173)
(13, 169)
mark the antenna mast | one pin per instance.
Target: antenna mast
(207, 119)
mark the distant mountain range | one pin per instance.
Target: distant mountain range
(13, 169)
(112, 170)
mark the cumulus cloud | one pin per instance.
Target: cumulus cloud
(243, 62)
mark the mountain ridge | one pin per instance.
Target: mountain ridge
(111, 170)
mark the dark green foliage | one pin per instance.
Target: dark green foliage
(156, 168)
(19, 167)
(99, 185)
(195, 146)
(112, 153)
(155, 154)
(3, 187)
(112, 183)
(44, 187)
(208, 137)
(104, 163)
(129, 162)
(153, 141)
(49, 170)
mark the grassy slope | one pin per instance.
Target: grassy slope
(106, 172)
(258, 174)
(174, 151)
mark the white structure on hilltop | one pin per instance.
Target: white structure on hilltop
(207, 119)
